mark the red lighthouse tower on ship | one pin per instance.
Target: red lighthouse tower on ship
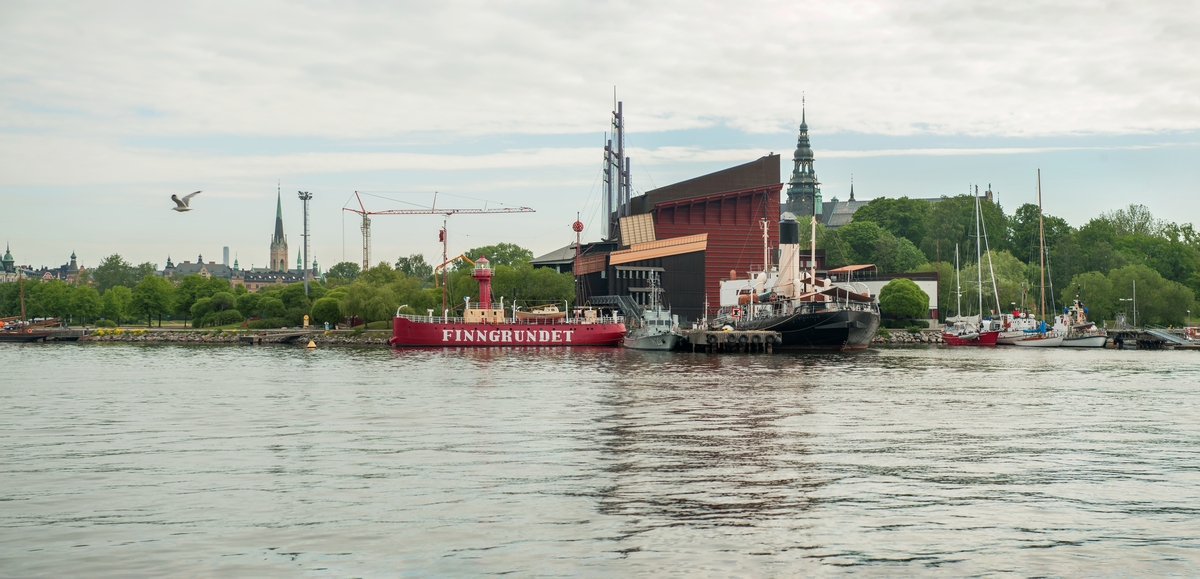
(485, 325)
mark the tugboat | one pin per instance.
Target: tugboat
(809, 313)
(485, 325)
(659, 330)
(1078, 330)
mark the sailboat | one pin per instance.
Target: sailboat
(971, 330)
(966, 330)
(12, 330)
(1042, 339)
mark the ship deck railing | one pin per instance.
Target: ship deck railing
(526, 322)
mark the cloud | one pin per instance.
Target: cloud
(361, 70)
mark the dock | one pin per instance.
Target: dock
(1150, 339)
(735, 341)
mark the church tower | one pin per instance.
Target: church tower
(279, 252)
(804, 191)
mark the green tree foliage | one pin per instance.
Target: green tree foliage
(271, 307)
(192, 287)
(414, 266)
(115, 304)
(952, 220)
(222, 301)
(151, 297)
(1013, 280)
(114, 271)
(1095, 290)
(201, 312)
(344, 272)
(1160, 302)
(1134, 220)
(945, 297)
(902, 298)
(380, 274)
(1025, 236)
(903, 217)
(326, 310)
(860, 242)
(509, 254)
(85, 301)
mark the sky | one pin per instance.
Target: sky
(107, 109)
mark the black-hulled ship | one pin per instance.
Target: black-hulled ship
(808, 312)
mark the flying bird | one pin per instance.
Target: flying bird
(182, 204)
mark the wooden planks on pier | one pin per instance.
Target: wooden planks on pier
(739, 341)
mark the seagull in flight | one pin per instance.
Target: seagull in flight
(182, 204)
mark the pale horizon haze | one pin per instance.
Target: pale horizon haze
(107, 109)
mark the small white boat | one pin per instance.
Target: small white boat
(1040, 341)
(658, 330)
(1079, 331)
(1085, 342)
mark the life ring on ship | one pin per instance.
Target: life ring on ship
(712, 340)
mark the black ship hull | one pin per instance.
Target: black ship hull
(822, 330)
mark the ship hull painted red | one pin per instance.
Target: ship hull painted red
(983, 339)
(409, 333)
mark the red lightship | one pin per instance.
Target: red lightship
(484, 325)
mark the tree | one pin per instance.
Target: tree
(901, 217)
(152, 296)
(85, 301)
(499, 254)
(326, 310)
(271, 307)
(113, 271)
(1025, 235)
(142, 270)
(952, 221)
(903, 299)
(201, 312)
(116, 303)
(859, 239)
(222, 301)
(1160, 301)
(1134, 220)
(415, 266)
(380, 274)
(346, 271)
(1095, 290)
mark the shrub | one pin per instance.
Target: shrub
(227, 317)
(105, 324)
(883, 333)
(267, 324)
(914, 329)
(902, 298)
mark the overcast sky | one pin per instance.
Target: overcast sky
(106, 109)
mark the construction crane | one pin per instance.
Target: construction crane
(439, 268)
(432, 210)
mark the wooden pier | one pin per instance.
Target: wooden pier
(717, 341)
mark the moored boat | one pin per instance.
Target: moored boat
(657, 328)
(808, 313)
(1077, 330)
(484, 325)
(1040, 341)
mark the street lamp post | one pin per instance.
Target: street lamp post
(305, 196)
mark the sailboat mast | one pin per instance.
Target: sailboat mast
(978, 256)
(957, 283)
(21, 285)
(1042, 243)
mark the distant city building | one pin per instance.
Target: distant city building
(254, 279)
(8, 267)
(225, 256)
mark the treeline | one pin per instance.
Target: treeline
(1097, 262)
(114, 294)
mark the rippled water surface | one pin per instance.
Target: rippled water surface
(122, 460)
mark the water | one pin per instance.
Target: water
(223, 461)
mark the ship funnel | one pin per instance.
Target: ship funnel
(789, 230)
